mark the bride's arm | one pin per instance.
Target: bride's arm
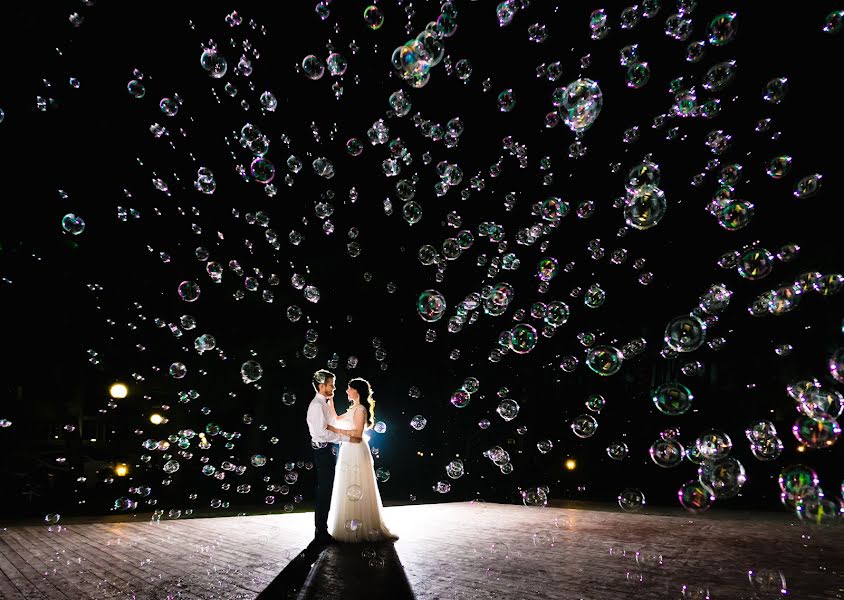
(332, 413)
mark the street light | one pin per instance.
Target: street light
(121, 470)
(118, 391)
(571, 465)
(156, 419)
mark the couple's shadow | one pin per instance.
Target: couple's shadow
(346, 571)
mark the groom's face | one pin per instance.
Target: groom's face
(328, 388)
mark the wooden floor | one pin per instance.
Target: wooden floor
(450, 551)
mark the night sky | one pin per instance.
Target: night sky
(748, 168)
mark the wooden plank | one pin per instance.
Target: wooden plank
(20, 575)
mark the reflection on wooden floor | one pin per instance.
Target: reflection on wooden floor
(448, 551)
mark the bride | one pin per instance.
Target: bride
(356, 513)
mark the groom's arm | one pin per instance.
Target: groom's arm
(317, 426)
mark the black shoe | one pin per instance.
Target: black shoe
(325, 540)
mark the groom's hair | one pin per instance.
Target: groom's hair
(321, 376)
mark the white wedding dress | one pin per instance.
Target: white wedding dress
(356, 513)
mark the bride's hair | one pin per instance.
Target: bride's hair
(362, 387)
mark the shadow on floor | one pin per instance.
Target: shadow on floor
(352, 571)
(342, 571)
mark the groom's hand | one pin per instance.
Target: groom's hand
(355, 440)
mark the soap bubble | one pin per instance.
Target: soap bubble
(667, 453)
(584, 426)
(672, 399)
(604, 360)
(431, 305)
(631, 500)
(695, 497)
(581, 104)
(685, 333)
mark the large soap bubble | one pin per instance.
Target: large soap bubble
(581, 104)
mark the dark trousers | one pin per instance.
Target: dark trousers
(325, 460)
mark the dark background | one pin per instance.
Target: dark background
(94, 143)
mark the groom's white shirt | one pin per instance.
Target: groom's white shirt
(318, 418)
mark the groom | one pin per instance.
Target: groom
(323, 442)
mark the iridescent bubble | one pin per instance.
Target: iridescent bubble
(714, 445)
(817, 509)
(72, 224)
(617, 450)
(829, 284)
(418, 422)
(672, 399)
(508, 409)
(724, 477)
(556, 313)
(594, 296)
(431, 305)
(136, 89)
(604, 360)
(833, 21)
(816, 434)
(695, 497)
(455, 469)
(544, 446)
(695, 51)
(784, 299)
(645, 174)
(169, 106)
(471, 385)
(595, 403)
(760, 430)
(755, 263)
(719, 76)
(313, 67)
(258, 460)
(798, 480)
(645, 207)
(584, 426)
(685, 333)
(667, 453)
(506, 100)
(373, 16)
(251, 371)
(631, 500)
(214, 63)
(522, 338)
(808, 186)
(638, 74)
(581, 104)
(262, 170)
(412, 212)
(189, 291)
(460, 399)
(767, 449)
(722, 29)
(547, 268)
(337, 64)
(775, 90)
(735, 215)
(716, 299)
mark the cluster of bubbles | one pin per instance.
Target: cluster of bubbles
(757, 263)
(500, 458)
(644, 203)
(461, 397)
(818, 407)
(413, 60)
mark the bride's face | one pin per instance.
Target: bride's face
(352, 394)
